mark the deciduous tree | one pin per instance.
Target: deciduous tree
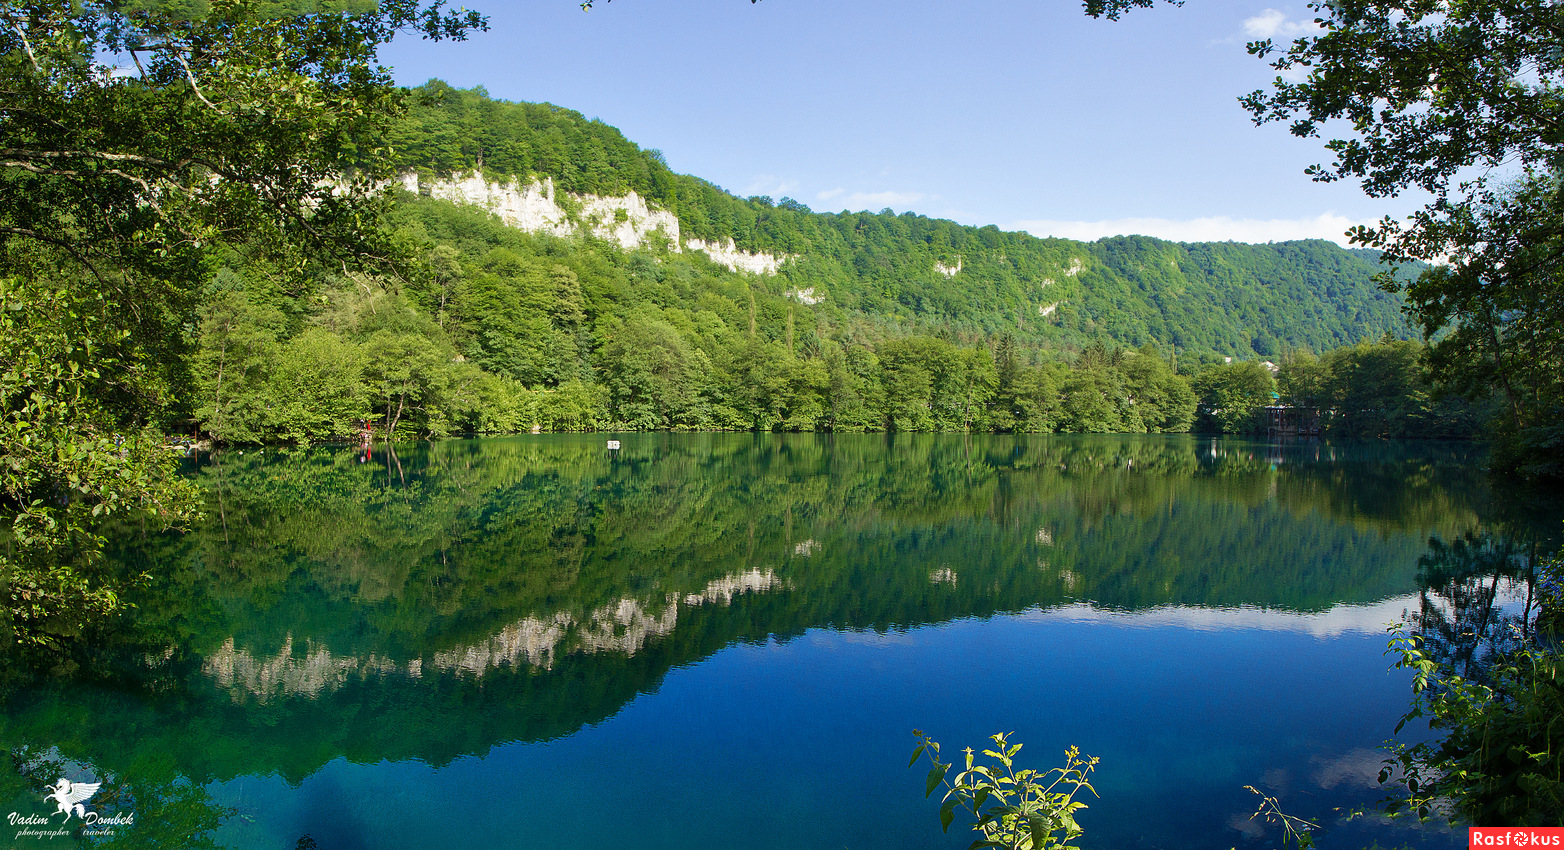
(1233, 395)
(135, 137)
(1463, 99)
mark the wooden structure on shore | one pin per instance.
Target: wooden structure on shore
(1286, 420)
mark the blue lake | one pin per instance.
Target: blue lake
(727, 640)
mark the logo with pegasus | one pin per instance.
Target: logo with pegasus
(69, 797)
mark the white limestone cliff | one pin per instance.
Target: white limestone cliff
(729, 255)
(621, 626)
(807, 295)
(628, 222)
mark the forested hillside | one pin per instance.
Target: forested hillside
(875, 320)
(1219, 298)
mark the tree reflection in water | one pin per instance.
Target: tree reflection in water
(1478, 599)
(469, 594)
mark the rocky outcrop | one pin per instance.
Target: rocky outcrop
(729, 255)
(629, 222)
(622, 626)
(285, 674)
(807, 295)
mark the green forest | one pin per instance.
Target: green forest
(492, 329)
(1223, 298)
(244, 275)
(203, 232)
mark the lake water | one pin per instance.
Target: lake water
(727, 640)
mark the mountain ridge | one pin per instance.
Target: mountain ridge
(619, 304)
(1221, 298)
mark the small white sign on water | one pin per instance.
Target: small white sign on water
(613, 444)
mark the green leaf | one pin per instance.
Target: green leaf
(947, 813)
(916, 754)
(936, 774)
(1038, 828)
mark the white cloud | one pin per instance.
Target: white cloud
(871, 200)
(1339, 620)
(1273, 23)
(1213, 229)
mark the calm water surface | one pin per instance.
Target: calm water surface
(726, 640)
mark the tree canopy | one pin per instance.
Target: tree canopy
(1430, 88)
(1225, 298)
(136, 140)
(1462, 99)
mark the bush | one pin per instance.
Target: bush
(1499, 761)
(1026, 810)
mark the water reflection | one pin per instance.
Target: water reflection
(1478, 599)
(452, 598)
(479, 556)
(623, 627)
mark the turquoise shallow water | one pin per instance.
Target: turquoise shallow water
(727, 640)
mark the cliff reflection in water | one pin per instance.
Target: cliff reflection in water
(623, 627)
(478, 555)
(464, 594)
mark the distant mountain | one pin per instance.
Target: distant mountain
(909, 273)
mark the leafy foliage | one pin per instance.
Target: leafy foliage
(1429, 88)
(1014, 809)
(1499, 760)
(1550, 589)
(1487, 682)
(1233, 397)
(1221, 298)
(913, 324)
(238, 124)
(1295, 830)
(1500, 299)
(504, 331)
(1460, 99)
(75, 394)
(1381, 389)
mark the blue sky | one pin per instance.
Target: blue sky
(1026, 115)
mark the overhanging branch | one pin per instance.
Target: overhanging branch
(58, 243)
